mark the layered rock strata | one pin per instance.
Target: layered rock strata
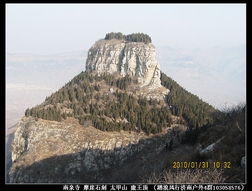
(136, 59)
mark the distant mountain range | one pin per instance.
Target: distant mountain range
(217, 74)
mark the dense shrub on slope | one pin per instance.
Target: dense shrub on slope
(107, 111)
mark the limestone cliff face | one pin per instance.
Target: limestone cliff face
(49, 151)
(135, 59)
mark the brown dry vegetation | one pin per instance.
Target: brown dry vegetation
(187, 176)
(230, 125)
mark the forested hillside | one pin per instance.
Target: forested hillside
(183, 103)
(104, 102)
(86, 99)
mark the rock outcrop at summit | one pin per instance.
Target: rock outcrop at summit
(136, 59)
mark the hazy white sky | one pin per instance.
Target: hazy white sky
(217, 74)
(53, 28)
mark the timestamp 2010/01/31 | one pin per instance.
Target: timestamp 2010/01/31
(202, 165)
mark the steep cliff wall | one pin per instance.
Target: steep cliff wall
(136, 59)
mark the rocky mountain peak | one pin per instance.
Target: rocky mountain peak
(103, 128)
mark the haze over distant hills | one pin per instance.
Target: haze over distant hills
(217, 74)
(30, 78)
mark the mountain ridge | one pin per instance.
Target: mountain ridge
(110, 103)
